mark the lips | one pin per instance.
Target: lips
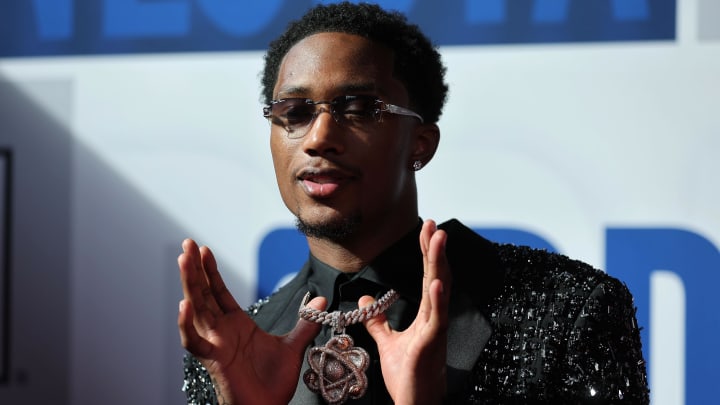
(323, 183)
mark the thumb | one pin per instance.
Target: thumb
(377, 326)
(305, 331)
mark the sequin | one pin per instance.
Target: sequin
(588, 339)
(198, 388)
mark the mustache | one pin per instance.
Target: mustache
(325, 167)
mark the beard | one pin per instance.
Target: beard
(335, 231)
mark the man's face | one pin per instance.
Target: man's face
(335, 173)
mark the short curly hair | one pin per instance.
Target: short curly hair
(417, 62)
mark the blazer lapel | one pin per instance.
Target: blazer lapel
(468, 332)
(477, 279)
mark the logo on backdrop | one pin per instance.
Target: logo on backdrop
(69, 27)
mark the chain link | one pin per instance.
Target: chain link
(339, 320)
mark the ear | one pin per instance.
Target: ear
(426, 138)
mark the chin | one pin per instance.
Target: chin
(337, 230)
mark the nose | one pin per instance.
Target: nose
(325, 136)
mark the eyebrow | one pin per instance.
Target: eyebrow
(349, 88)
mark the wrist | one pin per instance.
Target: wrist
(421, 400)
(222, 393)
(416, 401)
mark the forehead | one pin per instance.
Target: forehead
(336, 63)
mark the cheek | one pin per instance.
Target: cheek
(388, 163)
(280, 153)
(394, 152)
(281, 163)
(283, 174)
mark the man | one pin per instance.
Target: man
(353, 95)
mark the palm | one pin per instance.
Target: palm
(406, 354)
(235, 357)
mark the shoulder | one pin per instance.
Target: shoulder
(528, 269)
(277, 313)
(562, 329)
(556, 287)
(512, 276)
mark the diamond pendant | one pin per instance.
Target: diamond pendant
(337, 370)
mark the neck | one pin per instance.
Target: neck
(362, 247)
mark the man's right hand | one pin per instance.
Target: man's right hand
(246, 364)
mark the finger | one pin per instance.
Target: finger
(305, 331)
(195, 285)
(378, 327)
(429, 237)
(189, 336)
(439, 305)
(220, 292)
(439, 286)
(209, 297)
(426, 232)
(189, 273)
(429, 229)
(438, 266)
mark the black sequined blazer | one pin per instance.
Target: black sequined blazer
(526, 326)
